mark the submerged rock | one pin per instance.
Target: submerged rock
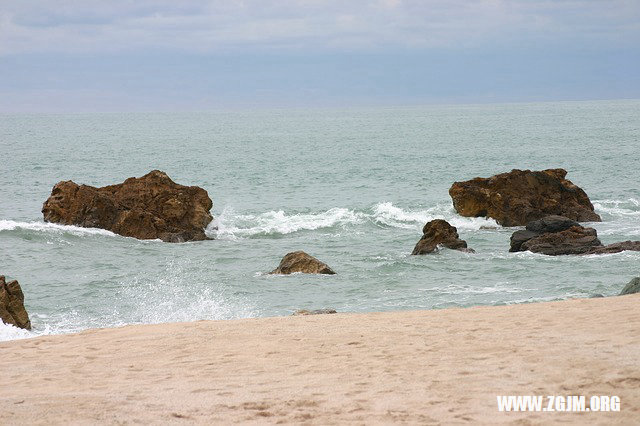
(632, 287)
(300, 312)
(12, 309)
(150, 207)
(557, 235)
(617, 247)
(520, 196)
(436, 233)
(299, 261)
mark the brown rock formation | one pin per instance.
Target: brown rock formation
(557, 235)
(12, 309)
(439, 232)
(575, 240)
(520, 196)
(299, 261)
(616, 247)
(149, 207)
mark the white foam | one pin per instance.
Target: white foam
(11, 225)
(231, 225)
(618, 208)
(9, 332)
(390, 215)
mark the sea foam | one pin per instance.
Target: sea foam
(231, 225)
(9, 332)
(45, 227)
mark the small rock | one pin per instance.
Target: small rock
(616, 247)
(299, 261)
(632, 287)
(439, 232)
(12, 309)
(314, 312)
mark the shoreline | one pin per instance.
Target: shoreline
(432, 366)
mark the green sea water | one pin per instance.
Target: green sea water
(352, 187)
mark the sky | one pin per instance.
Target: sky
(141, 55)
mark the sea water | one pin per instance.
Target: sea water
(352, 187)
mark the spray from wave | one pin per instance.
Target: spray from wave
(179, 293)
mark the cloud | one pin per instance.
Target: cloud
(226, 25)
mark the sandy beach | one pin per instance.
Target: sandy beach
(444, 366)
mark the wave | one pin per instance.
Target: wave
(396, 217)
(45, 227)
(231, 225)
(618, 208)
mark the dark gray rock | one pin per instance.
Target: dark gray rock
(632, 287)
(314, 312)
(552, 223)
(616, 247)
(520, 237)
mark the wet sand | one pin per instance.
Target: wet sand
(444, 366)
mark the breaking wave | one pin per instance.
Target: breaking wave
(230, 224)
(44, 227)
(618, 208)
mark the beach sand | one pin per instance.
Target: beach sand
(443, 366)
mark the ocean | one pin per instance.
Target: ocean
(352, 187)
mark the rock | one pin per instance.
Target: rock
(616, 247)
(149, 207)
(632, 286)
(314, 312)
(520, 196)
(12, 309)
(439, 232)
(299, 261)
(557, 235)
(575, 240)
(520, 237)
(553, 223)
(535, 228)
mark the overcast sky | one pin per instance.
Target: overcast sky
(58, 56)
